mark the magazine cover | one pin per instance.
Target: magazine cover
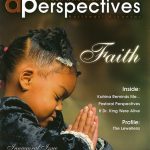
(74, 75)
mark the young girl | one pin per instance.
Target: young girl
(40, 71)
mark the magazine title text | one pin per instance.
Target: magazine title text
(25, 7)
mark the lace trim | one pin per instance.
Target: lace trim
(101, 141)
(82, 136)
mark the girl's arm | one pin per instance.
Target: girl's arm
(20, 128)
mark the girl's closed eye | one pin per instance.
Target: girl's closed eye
(57, 98)
(61, 97)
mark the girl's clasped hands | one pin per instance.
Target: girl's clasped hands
(87, 123)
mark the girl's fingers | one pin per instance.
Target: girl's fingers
(95, 137)
(88, 122)
(94, 113)
(76, 123)
(96, 120)
(94, 110)
(69, 127)
(83, 119)
(92, 130)
(90, 106)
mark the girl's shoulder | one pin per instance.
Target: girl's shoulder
(14, 111)
(13, 103)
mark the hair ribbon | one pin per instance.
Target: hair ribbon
(5, 49)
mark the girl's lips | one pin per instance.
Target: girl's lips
(51, 118)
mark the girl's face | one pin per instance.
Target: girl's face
(45, 95)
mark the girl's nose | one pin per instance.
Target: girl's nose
(59, 105)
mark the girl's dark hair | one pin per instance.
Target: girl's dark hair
(42, 45)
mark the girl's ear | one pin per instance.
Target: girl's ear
(25, 79)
